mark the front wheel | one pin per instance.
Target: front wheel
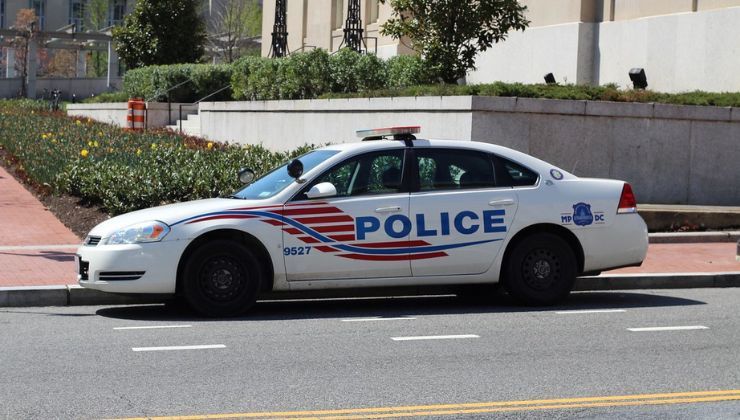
(222, 278)
(540, 270)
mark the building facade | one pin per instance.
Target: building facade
(56, 14)
(683, 45)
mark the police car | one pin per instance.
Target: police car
(391, 210)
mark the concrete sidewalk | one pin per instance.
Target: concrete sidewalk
(35, 247)
(37, 258)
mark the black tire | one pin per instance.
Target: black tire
(222, 278)
(540, 270)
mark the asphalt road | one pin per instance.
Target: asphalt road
(369, 357)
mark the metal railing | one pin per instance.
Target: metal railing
(179, 120)
(157, 94)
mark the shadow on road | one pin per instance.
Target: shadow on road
(386, 307)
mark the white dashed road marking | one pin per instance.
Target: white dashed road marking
(435, 337)
(202, 347)
(681, 328)
(152, 327)
(377, 319)
(590, 311)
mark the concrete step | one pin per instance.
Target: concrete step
(667, 217)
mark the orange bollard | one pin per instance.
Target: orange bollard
(136, 114)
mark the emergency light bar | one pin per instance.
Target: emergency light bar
(398, 133)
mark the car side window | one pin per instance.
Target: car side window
(371, 173)
(450, 169)
(512, 174)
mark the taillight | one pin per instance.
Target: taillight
(627, 201)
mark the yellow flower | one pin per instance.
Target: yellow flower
(95, 143)
(210, 145)
(138, 151)
(100, 133)
(84, 153)
(54, 141)
(154, 146)
(90, 143)
(44, 136)
(78, 122)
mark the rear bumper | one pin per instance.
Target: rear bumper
(623, 244)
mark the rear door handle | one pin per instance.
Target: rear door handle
(502, 202)
(390, 209)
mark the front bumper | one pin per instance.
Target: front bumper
(134, 268)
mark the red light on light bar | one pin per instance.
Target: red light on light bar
(389, 131)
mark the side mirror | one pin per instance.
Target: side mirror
(246, 176)
(324, 189)
(295, 168)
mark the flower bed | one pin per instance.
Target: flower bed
(121, 170)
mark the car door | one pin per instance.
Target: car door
(361, 232)
(459, 212)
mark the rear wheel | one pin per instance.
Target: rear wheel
(540, 270)
(222, 278)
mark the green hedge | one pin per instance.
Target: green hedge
(122, 170)
(198, 80)
(568, 92)
(312, 74)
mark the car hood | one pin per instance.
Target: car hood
(171, 213)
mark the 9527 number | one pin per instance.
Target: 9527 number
(296, 250)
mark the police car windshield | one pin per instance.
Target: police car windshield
(276, 180)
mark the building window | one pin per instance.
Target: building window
(116, 12)
(338, 18)
(373, 12)
(39, 7)
(77, 14)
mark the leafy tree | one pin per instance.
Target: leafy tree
(449, 34)
(97, 19)
(161, 32)
(27, 23)
(232, 23)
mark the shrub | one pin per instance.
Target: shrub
(406, 70)
(262, 82)
(195, 80)
(344, 78)
(241, 69)
(304, 75)
(119, 96)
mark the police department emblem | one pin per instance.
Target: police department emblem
(582, 215)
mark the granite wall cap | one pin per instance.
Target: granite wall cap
(550, 106)
(619, 109)
(692, 112)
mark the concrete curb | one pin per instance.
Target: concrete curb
(78, 296)
(658, 281)
(693, 237)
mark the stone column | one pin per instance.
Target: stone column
(32, 63)
(81, 63)
(112, 64)
(9, 63)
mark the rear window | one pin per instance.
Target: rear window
(512, 174)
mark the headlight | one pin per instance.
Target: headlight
(139, 233)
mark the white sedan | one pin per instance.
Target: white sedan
(388, 211)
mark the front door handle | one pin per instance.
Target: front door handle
(390, 209)
(502, 202)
